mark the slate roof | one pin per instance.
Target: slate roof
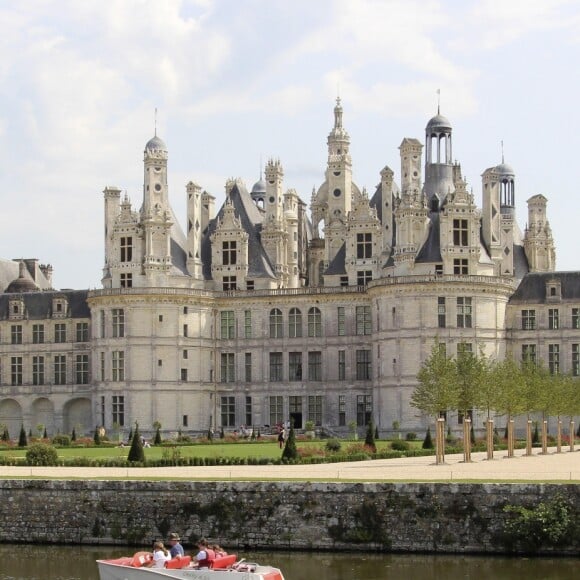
(337, 266)
(532, 288)
(250, 217)
(431, 250)
(38, 305)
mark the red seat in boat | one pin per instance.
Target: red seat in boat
(177, 563)
(224, 561)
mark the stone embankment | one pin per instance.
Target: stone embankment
(430, 517)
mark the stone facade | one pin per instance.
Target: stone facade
(420, 517)
(262, 313)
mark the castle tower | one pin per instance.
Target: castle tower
(156, 213)
(411, 150)
(438, 160)
(112, 208)
(388, 193)
(291, 217)
(538, 241)
(339, 171)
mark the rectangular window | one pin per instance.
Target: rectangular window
(227, 367)
(82, 369)
(460, 233)
(126, 280)
(126, 249)
(276, 410)
(341, 321)
(344, 281)
(464, 348)
(363, 320)
(576, 360)
(229, 253)
(295, 366)
(247, 324)
(38, 333)
(341, 410)
(229, 283)
(576, 318)
(441, 314)
(363, 365)
(553, 319)
(315, 366)
(185, 354)
(228, 410)
(118, 410)
(118, 323)
(38, 370)
(184, 375)
(363, 277)
(554, 358)
(342, 365)
(16, 370)
(460, 266)
(464, 313)
(82, 332)
(315, 409)
(102, 366)
(185, 330)
(364, 246)
(249, 412)
(102, 320)
(529, 353)
(228, 323)
(16, 334)
(275, 367)
(248, 367)
(60, 369)
(185, 421)
(118, 366)
(249, 284)
(60, 332)
(364, 409)
(528, 320)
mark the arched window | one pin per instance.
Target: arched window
(276, 329)
(314, 322)
(295, 323)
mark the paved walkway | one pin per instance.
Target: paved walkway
(564, 467)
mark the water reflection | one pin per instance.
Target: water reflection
(32, 562)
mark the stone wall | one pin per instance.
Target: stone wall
(320, 516)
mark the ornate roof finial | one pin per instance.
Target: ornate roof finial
(502, 151)
(438, 101)
(155, 121)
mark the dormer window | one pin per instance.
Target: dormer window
(553, 291)
(229, 253)
(59, 307)
(16, 309)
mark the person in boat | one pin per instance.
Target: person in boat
(219, 551)
(176, 549)
(205, 555)
(160, 555)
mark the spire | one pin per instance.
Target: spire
(502, 160)
(155, 121)
(338, 114)
(438, 101)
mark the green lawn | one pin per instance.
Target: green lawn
(258, 449)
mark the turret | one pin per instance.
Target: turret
(538, 241)
(194, 230)
(438, 159)
(112, 197)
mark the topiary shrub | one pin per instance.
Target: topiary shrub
(399, 445)
(22, 441)
(428, 441)
(136, 453)
(41, 454)
(290, 452)
(333, 445)
(370, 437)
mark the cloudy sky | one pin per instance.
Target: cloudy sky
(237, 81)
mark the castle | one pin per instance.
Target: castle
(264, 313)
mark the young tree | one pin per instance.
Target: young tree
(157, 427)
(22, 441)
(136, 452)
(73, 436)
(97, 436)
(507, 378)
(437, 389)
(5, 434)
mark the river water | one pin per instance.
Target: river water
(32, 562)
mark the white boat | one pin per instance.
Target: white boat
(226, 568)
